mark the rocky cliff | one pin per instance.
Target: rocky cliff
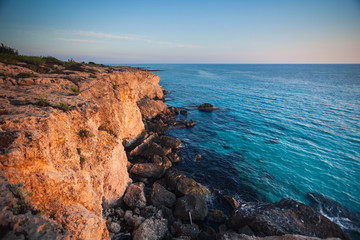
(62, 135)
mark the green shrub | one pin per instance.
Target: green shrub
(83, 132)
(75, 91)
(42, 101)
(75, 67)
(64, 106)
(8, 50)
(25, 75)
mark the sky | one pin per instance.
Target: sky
(186, 31)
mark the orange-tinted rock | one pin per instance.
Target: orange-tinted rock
(65, 145)
(150, 108)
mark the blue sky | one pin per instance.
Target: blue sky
(196, 31)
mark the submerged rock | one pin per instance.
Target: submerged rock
(189, 123)
(206, 107)
(285, 217)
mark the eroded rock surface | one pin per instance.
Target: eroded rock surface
(61, 135)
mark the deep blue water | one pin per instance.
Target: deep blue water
(282, 131)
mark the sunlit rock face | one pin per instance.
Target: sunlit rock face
(61, 136)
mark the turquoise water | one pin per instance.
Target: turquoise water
(282, 131)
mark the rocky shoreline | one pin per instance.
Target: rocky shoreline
(163, 203)
(84, 155)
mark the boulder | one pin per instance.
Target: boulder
(149, 108)
(193, 204)
(162, 161)
(159, 196)
(114, 227)
(206, 107)
(134, 196)
(236, 236)
(232, 201)
(148, 170)
(156, 149)
(170, 142)
(174, 158)
(172, 176)
(184, 112)
(189, 123)
(285, 217)
(217, 216)
(151, 229)
(190, 230)
(185, 186)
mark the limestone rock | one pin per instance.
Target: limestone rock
(160, 196)
(170, 142)
(151, 229)
(134, 196)
(193, 204)
(150, 108)
(148, 170)
(41, 145)
(285, 217)
(185, 186)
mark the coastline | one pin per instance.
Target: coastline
(161, 202)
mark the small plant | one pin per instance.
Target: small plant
(8, 50)
(83, 133)
(75, 91)
(82, 160)
(25, 75)
(92, 75)
(64, 106)
(16, 121)
(115, 86)
(104, 127)
(17, 209)
(78, 150)
(42, 101)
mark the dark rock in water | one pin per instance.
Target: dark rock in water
(210, 234)
(170, 142)
(172, 176)
(198, 157)
(349, 219)
(217, 216)
(194, 205)
(174, 110)
(148, 170)
(151, 228)
(190, 230)
(134, 196)
(206, 107)
(184, 112)
(174, 158)
(160, 196)
(232, 201)
(285, 217)
(230, 235)
(189, 123)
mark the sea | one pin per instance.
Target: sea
(280, 131)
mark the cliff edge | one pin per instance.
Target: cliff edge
(62, 130)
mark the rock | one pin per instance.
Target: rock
(285, 217)
(114, 227)
(189, 123)
(149, 108)
(206, 107)
(71, 175)
(198, 157)
(217, 216)
(172, 177)
(162, 161)
(174, 158)
(174, 110)
(160, 196)
(210, 234)
(170, 142)
(193, 204)
(236, 236)
(156, 149)
(151, 229)
(232, 201)
(148, 170)
(185, 186)
(168, 214)
(190, 230)
(134, 196)
(184, 112)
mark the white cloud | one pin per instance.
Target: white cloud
(78, 40)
